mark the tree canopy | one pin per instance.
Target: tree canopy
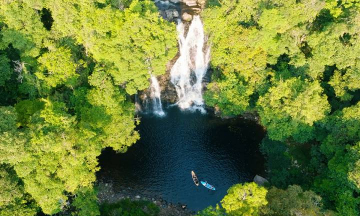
(67, 70)
(244, 199)
(295, 64)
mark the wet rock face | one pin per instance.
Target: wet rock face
(190, 8)
(169, 10)
(173, 10)
(168, 92)
(186, 17)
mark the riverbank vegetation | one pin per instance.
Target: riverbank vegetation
(68, 69)
(127, 207)
(295, 63)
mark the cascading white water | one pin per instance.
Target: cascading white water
(155, 95)
(189, 70)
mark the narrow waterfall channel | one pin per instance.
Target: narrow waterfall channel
(155, 95)
(189, 70)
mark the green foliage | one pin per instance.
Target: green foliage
(342, 84)
(10, 190)
(67, 67)
(211, 211)
(295, 63)
(23, 28)
(5, 71)
(293, 201)
(257, 35)
(85, 202)
(127, 207)
(338, 181)
(229, 95)
(245, 199)
(25, 109)
(54, 163)
(11, 141)
(134, 42)
(57, 67)
(118, 130)
(291, 108)
(13, 201)
(7, 119)
(337, 8)
(283, 166)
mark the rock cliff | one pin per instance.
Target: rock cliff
(173, 11)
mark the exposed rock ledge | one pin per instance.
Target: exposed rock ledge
(173, 10)
(108, 194)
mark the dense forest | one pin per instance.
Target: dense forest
(295, 63)
(68, 69)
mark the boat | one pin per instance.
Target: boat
(209, 186)
(195, 179)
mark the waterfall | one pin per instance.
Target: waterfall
(189, 70)
(155, 96)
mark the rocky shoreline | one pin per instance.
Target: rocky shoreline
(107, 193)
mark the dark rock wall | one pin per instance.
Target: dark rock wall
(173, 10)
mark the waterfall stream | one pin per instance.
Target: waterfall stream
(189, 70)
(155, 95)
(186, 74)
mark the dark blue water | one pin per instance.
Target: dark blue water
(222, 152)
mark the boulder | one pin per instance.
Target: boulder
(186, 17)
(163, 5)
(169, 14)
(190, 3)
(175, 14)
(260, 180)
(163, 14)
(201, 3)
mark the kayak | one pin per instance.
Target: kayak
(195, 179)
(209, 186)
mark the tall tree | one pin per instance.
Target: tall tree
(244, 199)
(291, 108)
(293, 201)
